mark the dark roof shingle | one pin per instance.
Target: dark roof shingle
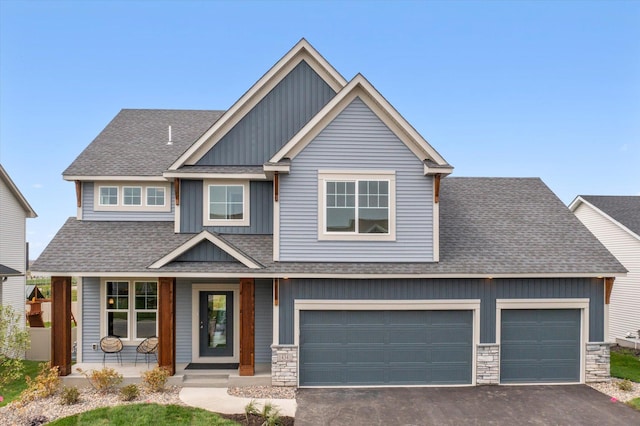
(624, 209)
(134, 143)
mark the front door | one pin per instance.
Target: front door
(216, 323)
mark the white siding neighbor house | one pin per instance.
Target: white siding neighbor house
(14, 211)
(615, 221)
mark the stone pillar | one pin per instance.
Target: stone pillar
(284, 365)
(488, 364)
(597, 362)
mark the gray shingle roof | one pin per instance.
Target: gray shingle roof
(134, 143)
(488, 226)
(624, 209)
(5, 271)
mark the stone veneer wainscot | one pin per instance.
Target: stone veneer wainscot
(284, 365)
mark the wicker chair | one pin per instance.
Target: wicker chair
(111, 345)
(148, 347)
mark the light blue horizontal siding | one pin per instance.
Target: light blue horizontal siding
(485, 290)
(260, 203)
(90, 319)
(273, 121)
(356, 140)
(88, 212)
(183, 321)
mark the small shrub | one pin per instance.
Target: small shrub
(104, 380)
(156, 379)
(129, 392)
(625, 385)
(70, 395)
(251, 408)
(271, 415)
(14, 341)
(45, 384)
(37, 420)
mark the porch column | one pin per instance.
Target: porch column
(247, 327)
(61, 324)
(167, 323)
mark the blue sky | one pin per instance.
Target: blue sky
(546, 89)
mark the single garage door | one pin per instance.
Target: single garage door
(367, 348)
(540, 346)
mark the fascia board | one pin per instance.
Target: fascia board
(72, 178)
(17, 194)
(236, 176)
(576, 203)
(360, 87)
(301, 51)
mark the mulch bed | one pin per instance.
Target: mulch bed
(255, 420)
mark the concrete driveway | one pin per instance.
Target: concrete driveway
(484, 405)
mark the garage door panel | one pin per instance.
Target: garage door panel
(540, 345)
(394, 348)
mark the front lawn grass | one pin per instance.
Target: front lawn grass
(625, 365)
(11, 391)
(635, 403)
(145, 414)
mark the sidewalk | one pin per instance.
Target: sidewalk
(219, 401)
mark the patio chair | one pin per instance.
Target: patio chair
(148, 347)
(111, 345)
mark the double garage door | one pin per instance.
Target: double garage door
(422, 347)
(370, 347)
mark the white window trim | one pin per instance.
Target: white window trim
(121, 207)
(246, 211)
(98, 198)
(146, 196)
(346, 175)
(582, 304)
(131, 187)
(131, 328)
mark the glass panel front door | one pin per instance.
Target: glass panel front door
(216, 323)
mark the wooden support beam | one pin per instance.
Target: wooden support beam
(176, 190)
(79, 193)
(61, 324)
(247, 327)
(276, 186)
(276, 291)
(608, 286)
(167, 323)
(436, 189)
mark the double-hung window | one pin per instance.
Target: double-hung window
(356, 205)
(226, 203)
(131, 309)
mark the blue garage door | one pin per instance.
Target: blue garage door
(540, 346)
(368, 348)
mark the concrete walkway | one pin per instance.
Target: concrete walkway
(219, 401)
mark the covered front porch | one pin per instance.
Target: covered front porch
(189, 331)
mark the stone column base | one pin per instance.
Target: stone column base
(597, 362)
(284, 365)
(488, 364)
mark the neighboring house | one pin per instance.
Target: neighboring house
(14, 211)
(615, 221)
(311, 228)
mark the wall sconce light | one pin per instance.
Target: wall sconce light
(111, 301)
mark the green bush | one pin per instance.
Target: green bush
(104, 380)
(14, 341)
(129, 392)
(69, 395)
(155, 380)
(625, 385)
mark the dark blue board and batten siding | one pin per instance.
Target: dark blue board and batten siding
(260, 204)
(364, 143)
(433, 289)
(273, 121)
(88, 212)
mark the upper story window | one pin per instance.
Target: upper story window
(226, 203)
(155, 196)
(108, 195)
(132, 196)
(356, 205)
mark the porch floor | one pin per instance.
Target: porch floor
(185, 378)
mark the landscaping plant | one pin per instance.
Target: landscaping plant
(104, 380)
(129, 392)
(69, 395)
(14, 341)
(155, 380)
(45, 384)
